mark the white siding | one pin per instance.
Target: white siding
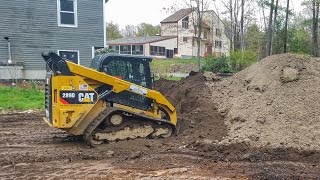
(169, 29)
(189, 49)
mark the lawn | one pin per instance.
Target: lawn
(31, 98)
(21, 98)
(163, 66)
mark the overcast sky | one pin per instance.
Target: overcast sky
(133, 12)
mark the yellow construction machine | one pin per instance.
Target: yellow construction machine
(110, 101)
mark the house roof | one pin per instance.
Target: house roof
(177, 15)
(138, 40)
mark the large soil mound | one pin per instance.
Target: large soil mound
(275, 102)
(198, 115)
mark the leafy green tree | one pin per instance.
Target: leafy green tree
(145, 29)
(241, 60)
(299, 41)
(113, 31)
(254, 39)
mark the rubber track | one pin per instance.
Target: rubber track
(93, 125)
(87, 135)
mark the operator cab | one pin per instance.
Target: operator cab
(135, 69)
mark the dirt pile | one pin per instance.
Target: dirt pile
(275, 103)
(198, 115)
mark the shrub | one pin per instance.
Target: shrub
(217, 64)
(240, 61)
(236, 62)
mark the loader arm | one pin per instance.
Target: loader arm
(119, 85)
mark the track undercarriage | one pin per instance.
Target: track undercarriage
(115, 125)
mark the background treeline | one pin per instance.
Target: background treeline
(256, 29)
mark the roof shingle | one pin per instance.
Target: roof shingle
(138, 40)
(177, 15)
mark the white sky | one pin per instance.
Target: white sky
(133, 12)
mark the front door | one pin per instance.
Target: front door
(169, 54)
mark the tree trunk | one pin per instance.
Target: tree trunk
(231, 27)
(199, 23)
(315, 23)
(270, 29)
(241, 26)
(235, 28)
(274, 26)
(286, 29)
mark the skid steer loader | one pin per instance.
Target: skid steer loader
(110, 101)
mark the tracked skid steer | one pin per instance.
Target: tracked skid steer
(110, 101)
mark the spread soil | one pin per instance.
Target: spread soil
(222, 135)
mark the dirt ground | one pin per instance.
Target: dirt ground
(29, 149)
(204, 149)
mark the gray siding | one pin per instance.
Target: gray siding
(32, 27)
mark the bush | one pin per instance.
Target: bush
(236, 62)
(217, 64)
(240, 61)
(104, 51)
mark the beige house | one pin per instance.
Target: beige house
(156, 46)
(178, 38)
(213, 39)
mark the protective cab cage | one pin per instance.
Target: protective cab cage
(134, 69)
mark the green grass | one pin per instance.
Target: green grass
(163, 66)
(21, 99)
(169, 78)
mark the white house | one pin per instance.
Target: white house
(182, 25)
(178, 38)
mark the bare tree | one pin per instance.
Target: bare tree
(315, 25)
(285, 38)
(241, 14)
(229, 5)
(231, 28)
(270, 29)
(274, 26)
(129, 31)
(198, 7)
(242, 26)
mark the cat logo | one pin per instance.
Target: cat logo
(86, 97)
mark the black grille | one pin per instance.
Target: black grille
(48, 97)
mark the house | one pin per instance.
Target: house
(156, 46)
(178, 38)
(182, 25)
(72, 28)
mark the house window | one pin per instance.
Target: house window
(126, 49)
(67, 13)
(185, 22)
(185, 39)
(72, 56)
(114, 49)
(137, 49)
(218, 32)
(157, 51)
(218, 44)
